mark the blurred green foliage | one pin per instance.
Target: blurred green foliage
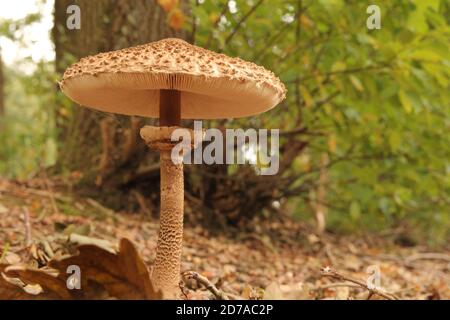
(27, 130)
(378, 98)
(27, 135)
(375, 101)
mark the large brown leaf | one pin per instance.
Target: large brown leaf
(13, 288)
(52, 283)
(104, 274)
(123, 275)
(22, 282)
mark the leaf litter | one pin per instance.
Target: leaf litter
(280, 259)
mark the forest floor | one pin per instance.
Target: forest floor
(281, 259)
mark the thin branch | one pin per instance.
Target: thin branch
(348, 71)
(427, 256)
(346, 157)
(27, 224)
(336, 285)
(301, 130)
(50, 190)
(311, 43)
(84, 240)
(261, 54)
(216, 24)
(369, 295)
(328, 272)
(243, 19)
(298, 97)
(205, 282)
(194, 24)
(183, 290)
(318, 57)
(327, 99)
(295, 192)
(147, 213)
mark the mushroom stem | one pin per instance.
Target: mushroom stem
(169, 108)
(166, 272)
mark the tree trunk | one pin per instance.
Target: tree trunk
(105, 149)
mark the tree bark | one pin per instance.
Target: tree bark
(106, 149)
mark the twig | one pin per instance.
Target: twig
(329, 254)
(298, 96)
(312, 43)
(183, 289)
(325, 100)
(216, 23)
(347, 71)
(244, 18)
(83, 240)
(26, 220)
(321, 210)
(427, 256)
(48, 249)
(205, 282)
(328, 272)
(264, 241)
(44, 193)
(336, 285)
(147, 213)
(261, 54)
(194, 24)
(50, 191)
(104, 210)
(103, 165)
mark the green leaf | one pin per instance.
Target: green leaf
(355, 211)
(405, 101)
(356, 83)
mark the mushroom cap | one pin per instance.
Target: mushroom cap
(212, 85)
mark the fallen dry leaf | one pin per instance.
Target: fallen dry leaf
(15, 289)
(123, 275)
(10, 290)
(104, 274)
(273, 292)
(51, 283)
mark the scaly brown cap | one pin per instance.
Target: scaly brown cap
(212, 85)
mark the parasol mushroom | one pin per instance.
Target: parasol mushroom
(171, 80)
